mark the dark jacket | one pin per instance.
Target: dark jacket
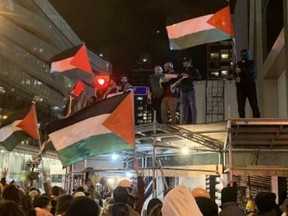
(187, 83)
(231, 209)
(108, 211)
(248, 72)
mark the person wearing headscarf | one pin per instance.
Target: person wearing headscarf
(179, 202)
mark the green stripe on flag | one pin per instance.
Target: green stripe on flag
(197, 38)
(91, 146)
(14, 139)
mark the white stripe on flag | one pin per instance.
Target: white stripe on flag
(69, 135)
(62, 65)
(8, 130)
(189, 26)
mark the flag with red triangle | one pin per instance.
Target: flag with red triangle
(78, 88)
(20, 126)
(118, 120)
(29, 124)
(204, 29)
(105, 127)
(73, 58)
(73, 63)
(222, 21)
(81, 60)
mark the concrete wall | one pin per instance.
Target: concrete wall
(230, 100)
(269, 105)
(282, 95)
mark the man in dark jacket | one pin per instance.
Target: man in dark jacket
(229, 202)
(187, 92)
(245, 73)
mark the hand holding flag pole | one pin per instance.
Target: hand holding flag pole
(30, 125)
(38, 134)
(237, 69)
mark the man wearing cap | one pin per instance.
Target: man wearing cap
(187, 92)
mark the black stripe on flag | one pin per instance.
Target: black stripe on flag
(99, 108)
(66, 53)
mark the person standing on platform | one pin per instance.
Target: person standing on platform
(155, 94)
(245, 73)
(124, 85)
(187, 92)
(169, 101)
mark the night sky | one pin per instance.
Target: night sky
(124, 29)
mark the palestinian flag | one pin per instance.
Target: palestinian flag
(104, 127)
(70, 59)
(201, 30)
(22, 127)
(74, 63)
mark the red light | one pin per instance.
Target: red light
(101, 81)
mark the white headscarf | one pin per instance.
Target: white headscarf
(180, 202)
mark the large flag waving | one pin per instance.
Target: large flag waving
(200, 30)
(70, 59)
(73, 63)
(22, 127)
(106, 126)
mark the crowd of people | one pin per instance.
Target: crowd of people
(177, 201)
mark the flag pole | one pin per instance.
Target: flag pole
(154, 156)
(133, 120)
(38, 135)
(236, 59)
(234, 51)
